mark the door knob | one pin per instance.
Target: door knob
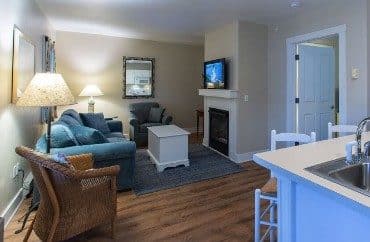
(332, 107)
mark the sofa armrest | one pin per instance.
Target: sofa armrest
(167, 120)
(101, 152)
(115, 126)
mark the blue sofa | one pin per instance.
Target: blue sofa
(111, 147)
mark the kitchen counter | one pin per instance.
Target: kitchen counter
(310, 207)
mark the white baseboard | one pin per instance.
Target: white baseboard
(17, 200)
(241, 158)
(12, 207)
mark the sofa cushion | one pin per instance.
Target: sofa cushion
(69, 120)
(114, 135)
(116, 139)
(144, 127)
(73, 114)
(62, 136)
(95, 121)
(140, 116)
(155, 115)
(88, 136)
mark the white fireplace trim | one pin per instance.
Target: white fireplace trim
(220, 93)
(213, 100)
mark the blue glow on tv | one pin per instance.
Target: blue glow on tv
(214, 74)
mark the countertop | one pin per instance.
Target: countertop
(295, 159)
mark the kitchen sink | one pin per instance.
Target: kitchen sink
(355, 177)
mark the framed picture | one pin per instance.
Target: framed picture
(138, 77)
(23, 63)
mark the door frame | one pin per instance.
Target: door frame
(291, 43)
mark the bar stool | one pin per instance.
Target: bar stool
(340, 129)
(269, 190)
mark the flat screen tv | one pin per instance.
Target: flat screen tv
(214, 74)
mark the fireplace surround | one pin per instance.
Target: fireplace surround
(226, 100)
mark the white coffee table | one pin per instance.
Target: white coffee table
(168, 146)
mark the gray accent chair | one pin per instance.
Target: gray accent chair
(139, 116)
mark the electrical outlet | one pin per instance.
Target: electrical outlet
(15, 170)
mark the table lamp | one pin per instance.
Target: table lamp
(91, 91)
(46, 90)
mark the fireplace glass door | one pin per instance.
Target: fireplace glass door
(219, 130)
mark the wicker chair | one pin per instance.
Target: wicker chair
(72, 200)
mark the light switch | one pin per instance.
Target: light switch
(355, 73)
(246, 98)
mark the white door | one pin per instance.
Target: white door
(316, 89)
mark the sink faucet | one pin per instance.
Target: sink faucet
(359, 131)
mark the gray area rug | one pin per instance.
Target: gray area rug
(204, 164)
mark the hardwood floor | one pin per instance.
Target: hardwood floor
(220, 209)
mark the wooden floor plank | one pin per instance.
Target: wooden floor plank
(220, 209)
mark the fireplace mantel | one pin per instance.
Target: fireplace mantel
(220, 93)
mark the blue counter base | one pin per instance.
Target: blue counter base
(308, 212)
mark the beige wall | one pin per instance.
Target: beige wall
(84, 58)
(252, 81)
(354, 16)
(221, 43)
(19, 126)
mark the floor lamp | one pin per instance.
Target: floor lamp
(45, 90)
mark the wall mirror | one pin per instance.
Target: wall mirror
(138, 77)
(23, 63)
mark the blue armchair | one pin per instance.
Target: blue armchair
(140, 121)
(110, 148)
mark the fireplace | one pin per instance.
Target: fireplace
(219, 130)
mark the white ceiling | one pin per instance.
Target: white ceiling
(165, 20)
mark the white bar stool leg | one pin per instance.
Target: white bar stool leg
(272, 220)
(257, 200)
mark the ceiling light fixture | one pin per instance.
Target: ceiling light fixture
(295, 4)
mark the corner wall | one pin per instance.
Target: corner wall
(222, 43)
(19, 126)
(244, 45)
(252, 81)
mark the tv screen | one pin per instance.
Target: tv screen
(214, 74)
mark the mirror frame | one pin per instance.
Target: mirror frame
(125, 58)
(17, 55)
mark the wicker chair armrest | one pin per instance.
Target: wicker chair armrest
(93, 173)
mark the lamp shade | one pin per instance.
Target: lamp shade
(91, 91)
(45, 90)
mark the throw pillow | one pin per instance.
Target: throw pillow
(73, 114)
(61, 136)
(155, 115)
(69, 120)
(88, 136)
(95, 121)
